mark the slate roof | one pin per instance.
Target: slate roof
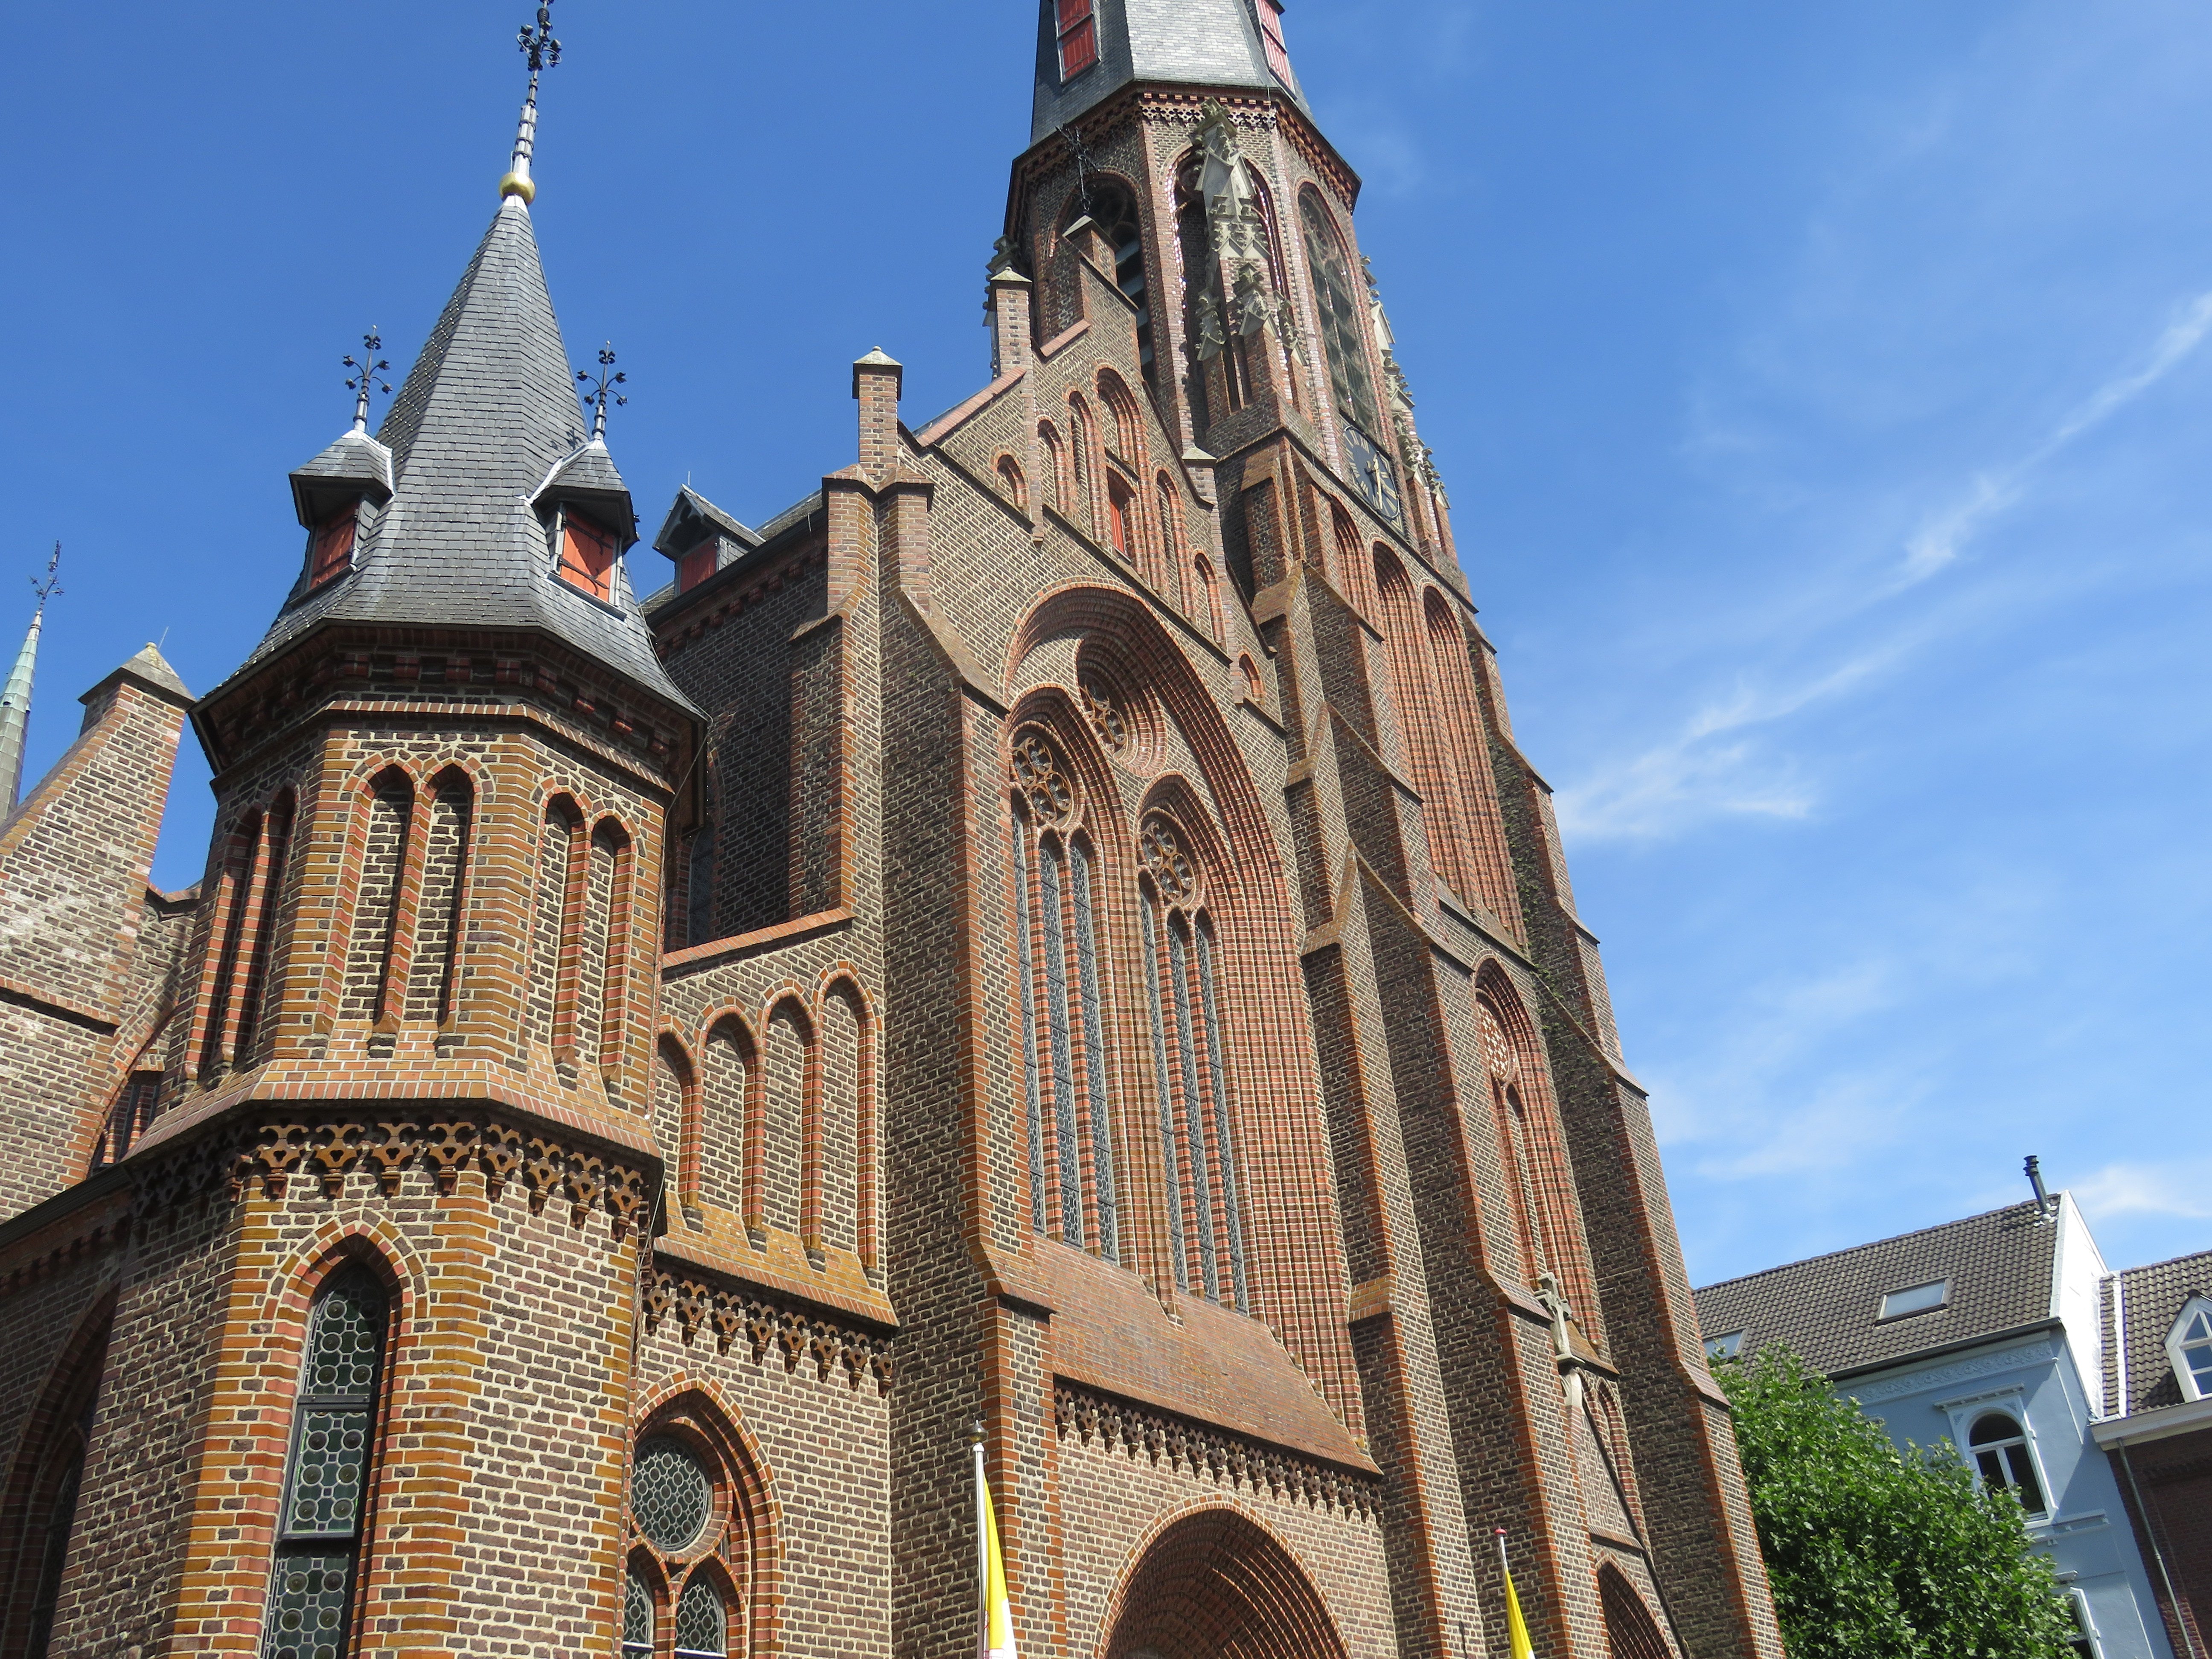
(1827, 1309)
(2151, 1299)
(486, 420)
(1209, 43)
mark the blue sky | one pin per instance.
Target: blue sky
(1824, 395)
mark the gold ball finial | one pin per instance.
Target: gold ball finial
(519, 184)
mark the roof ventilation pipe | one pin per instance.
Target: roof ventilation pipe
(2044, 1201)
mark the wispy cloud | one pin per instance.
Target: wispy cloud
(1716, 765)
(1944, 535)
(2168, 1189)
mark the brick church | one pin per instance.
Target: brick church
(1050, 935)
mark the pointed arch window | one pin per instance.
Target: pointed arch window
(1198, 1140)
(1078, 35)
(326, 1484)
(638, 1614)
(697, 1539)
(1062, 1015)
(1343, 314)
(702, 1622)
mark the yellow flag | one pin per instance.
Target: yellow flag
(996, 1638)
(1517, 1628)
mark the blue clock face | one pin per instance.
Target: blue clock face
(1371, 471)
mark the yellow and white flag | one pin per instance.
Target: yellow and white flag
(995, 1635)
(1517, 1628)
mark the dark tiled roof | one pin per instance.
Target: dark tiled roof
(1999, 1266)
(1207, 43)
(2151, 1299)
(487, 415)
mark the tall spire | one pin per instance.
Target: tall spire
(15, 701)
(543, 52)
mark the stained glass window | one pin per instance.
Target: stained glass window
(671, 1495)
(326, 1490)
(637, 1616)
(702, 1623)
(1343, 316)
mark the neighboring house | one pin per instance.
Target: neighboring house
(2156, 1324)
(1985, 1332)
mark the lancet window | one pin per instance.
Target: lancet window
(1539, 1188)
(327, 1483)
(694, 1522)
(1062, 1014)
(1198, 1141)
(1343, 315)
(1114, 211)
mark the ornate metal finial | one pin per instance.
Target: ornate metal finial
(51, 584)
(543, 52)
(1085, 164)
(365, 373)
(597, 396)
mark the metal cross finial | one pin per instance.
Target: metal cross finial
(597, 396)
(539, 46)
(51, 584)
(364, 381)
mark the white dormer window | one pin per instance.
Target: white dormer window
(2189, 1347)
(1915, 1298)
(1726, 1345)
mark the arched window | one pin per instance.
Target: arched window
(677, 1117)
(732, 1102)
(1010, 479)
(602, 994)
(2003, 1460)
(443, 880)
(233, 986)
(1121, 518)
(1206, 596)
(1482, 826)
(1062, 1014)
(698, 1539)
(45, 1485)
(556, 930)
(390, 813)
(135, 1104)
(1421, 725)
(1343, 315)
(1198, 1140)
(1080, 441)
(1232, 272)
(1630, 1630)
(327, 1495)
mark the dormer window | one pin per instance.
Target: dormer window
(330, 546)
(1726, 1345)
(2189, 1347)
(1915, 1298)
(1079, 38)
(1271, 37)
(588, 552)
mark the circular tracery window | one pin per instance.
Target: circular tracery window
(1162, 844)
(671, 1495)
(1041, 776)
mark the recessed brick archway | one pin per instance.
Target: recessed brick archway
(1217, 1585)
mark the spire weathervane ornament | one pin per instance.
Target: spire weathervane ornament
(543, 52)
(15, 701)
(597, 396)
(364, 381)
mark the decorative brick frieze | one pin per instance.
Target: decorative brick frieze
(262, 1156)
(1210, 1455)
(733, 1317)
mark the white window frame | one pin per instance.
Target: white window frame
(1965, 1411)
(1882, 1316)
(2190, 1390)
(2084, 1617)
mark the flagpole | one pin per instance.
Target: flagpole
(982, 1554)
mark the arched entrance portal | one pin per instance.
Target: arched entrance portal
(1215, 1585)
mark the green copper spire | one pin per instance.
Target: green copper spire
(15, 701)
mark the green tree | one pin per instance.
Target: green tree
(1878, 1555)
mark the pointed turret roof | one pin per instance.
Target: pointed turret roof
(15, 714)
(1204, 43)
(485, 431)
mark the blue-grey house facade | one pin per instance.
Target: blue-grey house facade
(1986, 1332)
